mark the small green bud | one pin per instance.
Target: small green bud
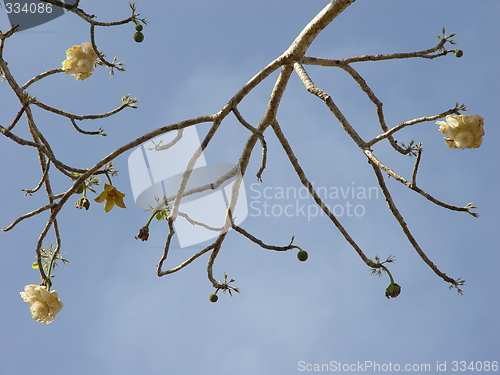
(392, 290)
(138, 37)
(213, 297)
(458, 53)
(302, 255)
(80, 188)
(138, 27)
(34, 265)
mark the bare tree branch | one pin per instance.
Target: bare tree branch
(291, 60)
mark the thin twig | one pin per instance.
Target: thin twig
(376, 101)
(374, 160)
(159, 271)
(40, 76)
(16, 119)
(417, 163)
(199, 223)
(19, 140)
(45, 173)
(419, 120)
(77, 117)
(260, 242)
(170, 144)
(28, 215)
(261, 139)
(426, 54)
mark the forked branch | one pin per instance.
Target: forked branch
(292, 60)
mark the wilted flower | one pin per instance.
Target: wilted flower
(112, 197)
(80, 61)
(463, 131)
(44, 304)
(392, 290)
(83, 202)
(143, 234)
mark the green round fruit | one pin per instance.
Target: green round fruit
(302, 255)
(138, 37)
(138, 27)
(213, 297)
(459, 53)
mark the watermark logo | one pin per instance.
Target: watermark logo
(156, 169)
(291, 201)
(28, 14)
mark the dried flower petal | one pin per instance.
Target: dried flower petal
(143, 234)
(83, 202)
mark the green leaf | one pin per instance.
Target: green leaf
(34, 265)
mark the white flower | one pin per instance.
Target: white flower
(463, 131)
(80, 61)
(44, 304)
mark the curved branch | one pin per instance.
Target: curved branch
(404, 227)
(305, 182)
(19, 140)
(28, 215)
(86, 132)
(171, 233)
(419, 120)
(40, 76)
(88, 17)
(260, 242)
(45, 171)
(426, 54)
(77, 117)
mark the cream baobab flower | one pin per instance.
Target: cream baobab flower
(80, 61)
(462, 131)
(44, 304)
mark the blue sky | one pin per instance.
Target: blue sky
(119, 317)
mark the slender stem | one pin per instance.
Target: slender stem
(303, 179)
(387, 271)
(151, 218)
(109, 178)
